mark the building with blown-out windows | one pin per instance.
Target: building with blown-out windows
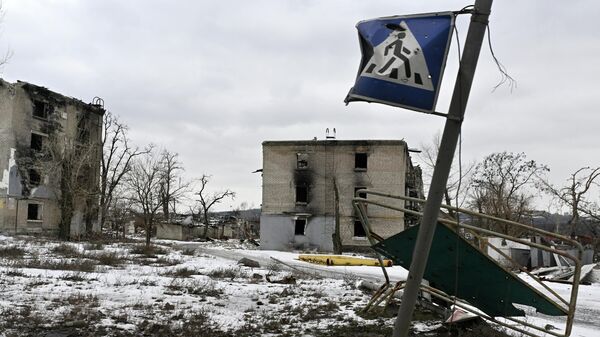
(50, 152)
(302, 180)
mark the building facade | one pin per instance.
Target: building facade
(302, 180)
(50, 152)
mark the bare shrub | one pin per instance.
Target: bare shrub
(230, 273)
(84, 265)
(14, 272)
(181, 272)
(81, 299)
(73, 277)
(195, 287)
(109, 259)
(11, 252)
(273, 268)
(207, 288)
(320, 311)
(93, 246)
(66, 250)
(188, 251)
(147, 282)
(165, 261)
(148, 251)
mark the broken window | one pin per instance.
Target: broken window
(359, 230)
(360, 161)
(42, 109)
(34, 177)
(301, 194)
(83, 130)
(300, 227)
(34, 212)
(37, 141)
(302, 161)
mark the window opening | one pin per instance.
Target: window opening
(301, 161)
(36, 141)
(34, 177)
(34, 212)
(42, 109)
(360, 161)
(301, 194)
(300, 227)
(83, 130)
(359, 230)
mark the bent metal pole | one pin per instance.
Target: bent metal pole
(460, 96)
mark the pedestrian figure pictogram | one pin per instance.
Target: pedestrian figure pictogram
(399, 59)
(403, 59)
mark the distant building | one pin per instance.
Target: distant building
(32, 117)
(298, 192)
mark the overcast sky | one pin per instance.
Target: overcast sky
(211, 80)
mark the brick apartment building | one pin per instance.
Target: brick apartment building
(298, 192)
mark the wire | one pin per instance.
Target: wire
(465, 10)
(505, 77)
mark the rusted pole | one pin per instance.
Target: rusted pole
(462, 87)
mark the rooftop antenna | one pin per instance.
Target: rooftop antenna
(327, 136)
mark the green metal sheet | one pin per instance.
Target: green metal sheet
(457, 268)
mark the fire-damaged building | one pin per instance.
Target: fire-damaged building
(50, 153)
(306, 183)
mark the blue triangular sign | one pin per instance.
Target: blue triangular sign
(403, 59)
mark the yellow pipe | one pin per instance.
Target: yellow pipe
(342, 260)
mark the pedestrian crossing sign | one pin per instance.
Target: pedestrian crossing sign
(403, 60)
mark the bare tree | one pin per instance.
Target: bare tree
(456, 190)
(143, 184)
(70, 163)
(4, 59)
(207, 200)
(575, 195)
(120, 213)
(116, 161)
(172, 187)
(502, 186)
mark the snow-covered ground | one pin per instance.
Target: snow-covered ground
(587, 316)
(59, 289)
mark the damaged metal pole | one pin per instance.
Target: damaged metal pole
(460, 96)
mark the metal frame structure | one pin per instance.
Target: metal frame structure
(387, 292)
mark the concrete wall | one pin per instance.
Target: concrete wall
(330, 160)
(277, 233)
(171, 232)
(182, 232)
(17, 123)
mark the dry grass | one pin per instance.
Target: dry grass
(109, 259)
(93, 246)
(181, 272)
(11, 252)
(148, 251)
(230, 273)
(195, 287)
(84, 265)
(66, 250)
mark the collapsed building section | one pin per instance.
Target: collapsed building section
(50, 153)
